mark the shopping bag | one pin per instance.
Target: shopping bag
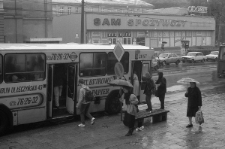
(199, 119)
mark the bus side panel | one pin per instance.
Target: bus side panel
(32, 115)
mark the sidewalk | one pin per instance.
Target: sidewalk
(108, 132)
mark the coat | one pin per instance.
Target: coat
(149, 87)
(136, 87)
(194, 101)
(162, 87)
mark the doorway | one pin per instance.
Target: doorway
(62, 80)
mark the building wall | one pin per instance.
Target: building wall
(27, 19)
(1, 22)
(151, 30)
(67, 27)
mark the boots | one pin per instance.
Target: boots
(129, 133)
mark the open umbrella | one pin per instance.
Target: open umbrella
(120, 82)
(187, 81)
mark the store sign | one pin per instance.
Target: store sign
(156, 22)
(197, 9)
(108, 22)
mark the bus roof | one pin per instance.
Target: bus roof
(16, 46)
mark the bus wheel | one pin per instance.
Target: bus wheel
(3, 123)
(113, 104)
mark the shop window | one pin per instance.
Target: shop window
(126, 40)
(24, 67)
(141, 41)
(92, 64)
(1, 76)
(112, 61)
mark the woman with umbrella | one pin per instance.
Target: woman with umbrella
(194, 98)
(130, 102)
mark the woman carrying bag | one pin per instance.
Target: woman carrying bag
(130, 102)
(194, 101)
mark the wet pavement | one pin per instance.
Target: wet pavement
(108, 131)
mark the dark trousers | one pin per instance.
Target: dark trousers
(140, 122)
(148, 101)
(130, 120)
(161, 99)
(84, 111)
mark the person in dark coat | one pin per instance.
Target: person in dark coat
(148, 91)
(161, 88)
(194, 101)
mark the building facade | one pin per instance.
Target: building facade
(25, 19)
(1, 22)
(150, 30)
(133, 25)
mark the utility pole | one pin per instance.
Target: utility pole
(82, 23)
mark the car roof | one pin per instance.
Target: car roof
(194, 52)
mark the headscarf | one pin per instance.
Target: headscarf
(160, 76)
(127, 96)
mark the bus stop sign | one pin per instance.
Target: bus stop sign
(119, 70)
(118, 51)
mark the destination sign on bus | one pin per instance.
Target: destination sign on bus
(20, 89)
(98, 81)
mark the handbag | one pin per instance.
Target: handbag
(199, 119)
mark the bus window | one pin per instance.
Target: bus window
(222, 53)
(1, 69)
(24, 67)
(92, 64)
(112, 61)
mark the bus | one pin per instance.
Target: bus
(29, 74)
(221, 62)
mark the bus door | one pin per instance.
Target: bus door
(61, 89)
(139, 69)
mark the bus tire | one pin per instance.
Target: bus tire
(113, 104)
(4, 123)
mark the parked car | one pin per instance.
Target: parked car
(213, 55)
(167, 58)
(194, 57)
(155, 64)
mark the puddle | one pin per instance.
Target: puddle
(176, 88)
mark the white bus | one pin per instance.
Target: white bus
(28, 72)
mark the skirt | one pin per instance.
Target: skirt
(191, 111)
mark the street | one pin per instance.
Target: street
(108, 132)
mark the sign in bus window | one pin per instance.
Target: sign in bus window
(93, 64)
(112, 61)
(24, 67)
(1, 69)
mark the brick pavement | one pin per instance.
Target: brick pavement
(108, 132)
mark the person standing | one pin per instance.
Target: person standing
(194, 102)
(136, 89)
(161, 88)
(148, 91)
(130, 101)
(58, 83)
(83, 106)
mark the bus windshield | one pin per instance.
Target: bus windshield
(222, 53)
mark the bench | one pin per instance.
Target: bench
(158, 115)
